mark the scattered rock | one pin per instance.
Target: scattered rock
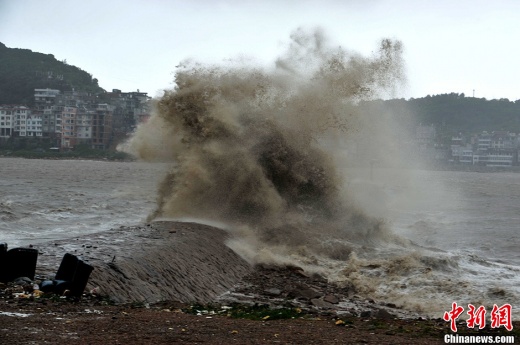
(319, 278)
(365, 313)
(384, 314)
(273, 292)
(294, 268)
(22, 281)
(306, 293)
(331, 299)
(302, 273)
(321, 303)
(345, 313)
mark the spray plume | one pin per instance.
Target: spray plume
(254, 149)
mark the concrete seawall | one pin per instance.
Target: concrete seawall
(187, 262)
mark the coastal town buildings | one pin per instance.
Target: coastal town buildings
(497, 149)
(492, 149)
(72, 118)
(67, 120)
(18, 120)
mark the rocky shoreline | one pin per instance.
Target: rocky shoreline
(190, 263)
(171, 282)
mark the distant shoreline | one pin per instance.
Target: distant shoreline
(123, 157)
(475, 168)
(71, 155)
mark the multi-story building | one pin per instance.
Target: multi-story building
(484, 142)
(20, 116)
(501, 158)
(44, 97)
(34, 126)
(425, 135)
(130, 108)
(102, 127)
(458, 143)
(76, 98)
(466, 155)
(6, 121)
(70, 118)
(495, 149)
(503, 140)
(68, 127)
(45, 105)
(19, 121)
(84, 118)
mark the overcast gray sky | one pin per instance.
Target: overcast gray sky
(450, 45)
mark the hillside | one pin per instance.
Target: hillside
(22, 71)
(452, 113)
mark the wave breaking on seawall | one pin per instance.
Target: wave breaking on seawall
(267, 153)
(254, 149)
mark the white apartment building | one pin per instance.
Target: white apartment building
(6, 121)
(495, 149)
(45, 96)
(13, 120)
(466, 155)
(20, 119)
(500, 159)
(34, 125)
(484, 142)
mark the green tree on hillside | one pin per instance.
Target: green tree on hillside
(22, 71)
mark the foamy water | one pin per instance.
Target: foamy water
(464, 249)
(462, 239)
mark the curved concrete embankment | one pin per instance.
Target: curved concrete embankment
(187, 262)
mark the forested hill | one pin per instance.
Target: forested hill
(453, 112)
(22, 71)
